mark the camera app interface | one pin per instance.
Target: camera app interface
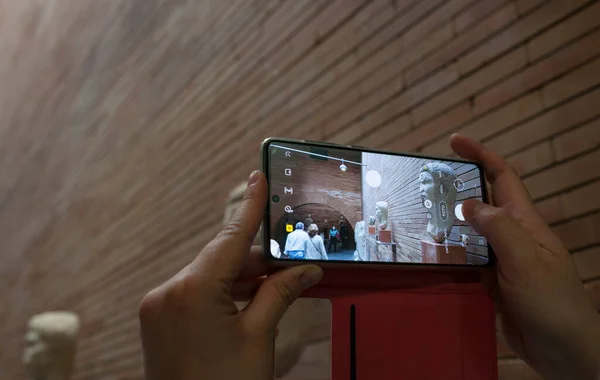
(334, 204)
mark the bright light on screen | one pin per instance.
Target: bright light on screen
(373, 178)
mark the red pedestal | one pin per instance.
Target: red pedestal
(385, 236)
(435, 253)
(372, 230)
(409, 324)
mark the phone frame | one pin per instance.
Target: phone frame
(266, 228)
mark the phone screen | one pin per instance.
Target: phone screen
(342, 204)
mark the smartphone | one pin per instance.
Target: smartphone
(343, 204)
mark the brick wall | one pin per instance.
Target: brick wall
(125, 125)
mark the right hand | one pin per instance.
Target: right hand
(546, 315)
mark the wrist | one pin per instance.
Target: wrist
(590, 350)
(573, 353)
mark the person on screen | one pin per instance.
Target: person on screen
(315, 247)
(333, 239)
(344, 235)
(295, 244)
(308, 221)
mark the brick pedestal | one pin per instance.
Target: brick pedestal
(434, 253)
(385, 236)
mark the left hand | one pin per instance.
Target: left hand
(190, 326)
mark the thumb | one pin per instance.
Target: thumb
(511, 243)
(277, 293)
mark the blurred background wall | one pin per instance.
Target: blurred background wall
(125, 123)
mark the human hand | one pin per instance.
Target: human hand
(546, 315)
(190, 326)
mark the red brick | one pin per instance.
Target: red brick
(532, 159)
(517, 33)
(393, 70)
(525, 6)
(494, 122)
(432, 22)
(584, 138)
(397, 105)
(433, 129)
(367, 21)
(405, 16)
(512, 369)
(548, 124)
(572, 84)
(346, 99)
(565, 175)
(565, 32)
(333, 15)
(379, 137)
(473, 14)
(462, 43)
(380, 85)
(551, 209)
(274, 24)
(540, 73)
(375, 81)
(570, 204)
(588, 263)
(579, 233)
(355, 30)
(470, 85)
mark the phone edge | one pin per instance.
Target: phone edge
(285, 263)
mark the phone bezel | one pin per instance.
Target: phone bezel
(265, 160)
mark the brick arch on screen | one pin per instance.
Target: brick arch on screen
(325, 199)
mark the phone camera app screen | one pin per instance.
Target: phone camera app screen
(332, 204)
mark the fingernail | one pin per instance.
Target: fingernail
(311, 277)
(253, 177)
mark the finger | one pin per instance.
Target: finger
(244, 290)
(255, 264)
(277, 293)
(508, 191)
(224, 257)
(506, 184)
(489, 279)
(512, 244)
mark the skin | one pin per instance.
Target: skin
(191, 328)
(546, 315)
